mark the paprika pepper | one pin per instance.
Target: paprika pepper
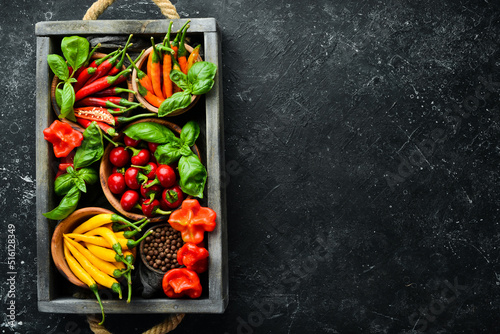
(192, 220)
(180, 282)
(193, 257)
(63, 138)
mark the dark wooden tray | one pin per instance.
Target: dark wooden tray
(55, 294)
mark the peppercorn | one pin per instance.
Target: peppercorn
(161, 248)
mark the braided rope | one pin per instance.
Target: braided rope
(98, 7)
(168, 325)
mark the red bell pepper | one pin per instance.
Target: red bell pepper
(193, 257)
(180, 282)
(63, 138)
(192, 220)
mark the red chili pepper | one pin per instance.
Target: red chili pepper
(104, 127)
(119, 65)
(193, 257)
(83, 77)
(63, 138)
(104, 68)
(192, 220)
(180, 282)
(100, 84)
(112, 91)
(95, 114)
(91, 101)
(117, 100)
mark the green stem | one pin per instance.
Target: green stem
(93, 288)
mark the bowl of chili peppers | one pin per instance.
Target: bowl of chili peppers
(160, 75)
(102, 90)
(133, 181)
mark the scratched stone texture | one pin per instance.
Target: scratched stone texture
(362, 158)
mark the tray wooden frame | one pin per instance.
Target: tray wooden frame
(49, 298)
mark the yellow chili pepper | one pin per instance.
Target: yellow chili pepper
(100, 220)
(106, 267)
(83, 276)
(100, 277)
(107, 234)
(107, 254)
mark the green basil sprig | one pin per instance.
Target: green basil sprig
(192, 173)
(199, 80)
(76, 51)
(72, 184)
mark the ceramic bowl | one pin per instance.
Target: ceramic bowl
(106, 170)
(55, 81)
(66, 226)
(143, 254)
(141, 64)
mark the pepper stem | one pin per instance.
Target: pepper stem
(93, 288)
(118, 219)
(122, 119)
(130, 234)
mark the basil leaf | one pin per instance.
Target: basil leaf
(58, 66)
(185, 150)
(81, 185)
(150, 132)
(76, 50)
(201, 70)
(63, 184)
(180, 79)
(67, 102)
(91, 149)
(59, 97)
(67, 205)
(175, 102)
(189, 133)
(89, 175)
(201, 87)
(193, 175)
(167, 153)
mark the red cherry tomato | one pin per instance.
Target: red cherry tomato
(152, 147)
(171, 198)
(166, 176)
(119, 156)
(129, 200)
(131, 142)
(141, 158)
(116, 183)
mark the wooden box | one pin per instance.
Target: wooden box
(55, 294)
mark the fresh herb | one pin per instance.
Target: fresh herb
(199, 80)
(192, 173)
(76, 52)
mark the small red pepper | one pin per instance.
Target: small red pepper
(63, 138)
(193, 257)
(180, 282)
(192, 220)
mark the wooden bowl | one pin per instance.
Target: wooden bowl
(57, 110)
(106, 169)
(141, 64)
(143, 255)
(66, 226)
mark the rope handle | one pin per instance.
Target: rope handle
(173, 320)
(169, 324)
(98, 7)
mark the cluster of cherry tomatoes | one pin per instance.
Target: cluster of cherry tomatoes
(143, 184)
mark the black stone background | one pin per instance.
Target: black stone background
(361, 141)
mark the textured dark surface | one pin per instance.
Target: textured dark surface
(362, 164)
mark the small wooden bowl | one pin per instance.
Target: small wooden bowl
(57, 110)
(66, 226)
(141, 64)
(143, 256)
(106, 169)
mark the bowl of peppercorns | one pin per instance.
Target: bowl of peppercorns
(158, 251)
